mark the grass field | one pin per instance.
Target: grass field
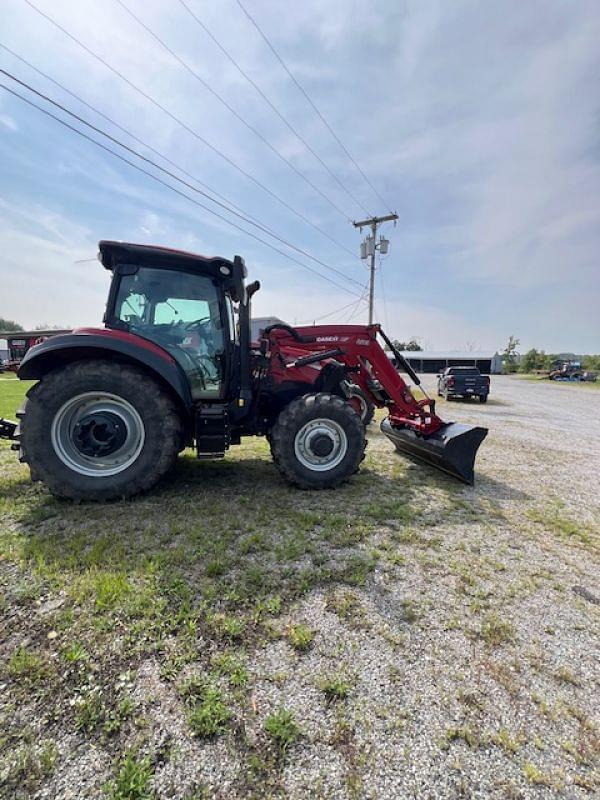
(12, 392)
(228, 636)
(544, 380)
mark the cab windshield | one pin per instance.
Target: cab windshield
(180, 312)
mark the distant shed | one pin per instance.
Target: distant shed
(19, 342)
(428, 361)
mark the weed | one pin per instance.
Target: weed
(471, 699)
(209, 715)
(506, 741)
(496, 631)
(282, 728)
(110, 589)
(74, 653)
(335, 686)
(229, 626)
(409, 611)
(273, 605)
(192, 688)
(344, 604)
(89, 712)
(231, 666)
(216, 568)
(28, 667)
(133, 776)
(564, 675)
(115, 719)
(300, 636)
(464, 734)
(355, 786)
(554, 520)
(535, 775)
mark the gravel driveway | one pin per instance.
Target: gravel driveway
(476, 661)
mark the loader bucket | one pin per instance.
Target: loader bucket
(452, 449)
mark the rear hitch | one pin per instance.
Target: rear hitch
(451, 449)
(8, 429)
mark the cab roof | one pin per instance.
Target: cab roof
(113, 253)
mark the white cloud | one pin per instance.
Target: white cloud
(8, 122)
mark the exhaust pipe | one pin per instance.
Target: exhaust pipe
(451, 449)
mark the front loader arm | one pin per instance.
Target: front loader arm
(300, 357)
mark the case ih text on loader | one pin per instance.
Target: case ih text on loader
(112, 407)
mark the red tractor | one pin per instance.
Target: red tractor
(172, 368)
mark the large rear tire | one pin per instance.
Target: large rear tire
(96, 430)
(318, 441)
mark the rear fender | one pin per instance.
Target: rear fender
(115, 346)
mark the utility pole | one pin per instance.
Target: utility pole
(370, 246)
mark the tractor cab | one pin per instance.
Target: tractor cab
(185, 304)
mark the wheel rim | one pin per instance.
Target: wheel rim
(321, 444)
(97, 434)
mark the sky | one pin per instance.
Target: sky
(478, 123)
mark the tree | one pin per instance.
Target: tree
(510, 354)
(412, 345)
(591, 362)
(9, 325)
(534, 359)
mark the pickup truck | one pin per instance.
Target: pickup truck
(463, 382)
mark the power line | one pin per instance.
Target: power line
(175, 177)
(331, 313)
(271, 105)
(186, 127)
(361, 299)
(129, 133)
(172, 188)
(231, 109)
(311, 103)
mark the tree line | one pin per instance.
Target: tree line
(534, 360)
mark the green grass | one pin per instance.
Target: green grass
(496, 631)
(300, 637)
(209, 715)
(132, 779)
(556, 519)
(282, 729)
(335, 686)
(12, 394)
(28, 667)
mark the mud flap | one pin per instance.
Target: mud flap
(452, 449)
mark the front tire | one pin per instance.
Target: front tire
(98, 430)
(363, 406)
(483, 398)
(318, 441)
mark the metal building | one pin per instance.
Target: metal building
(428, 361)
